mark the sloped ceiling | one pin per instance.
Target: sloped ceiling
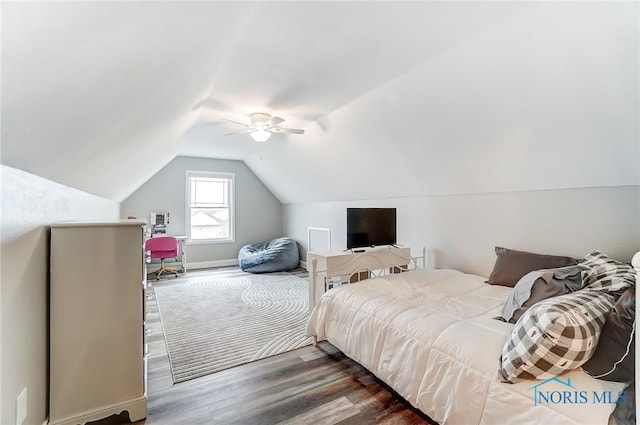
(397, 99)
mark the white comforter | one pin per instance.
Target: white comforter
(430, 335)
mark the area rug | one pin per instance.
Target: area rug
(220, 321)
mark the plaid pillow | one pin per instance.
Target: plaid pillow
(555, 335)
(606, 274)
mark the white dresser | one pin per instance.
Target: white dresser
(97, 341)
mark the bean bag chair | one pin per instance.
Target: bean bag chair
(276, 255)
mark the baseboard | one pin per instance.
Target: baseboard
(222, 263)
(46, 422)
(209, 264)
(136, 407)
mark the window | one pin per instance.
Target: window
(210, 206)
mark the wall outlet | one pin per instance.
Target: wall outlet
(21, 407)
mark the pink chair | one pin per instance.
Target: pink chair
(163, 247)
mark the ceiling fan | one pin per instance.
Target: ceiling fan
(262, 125)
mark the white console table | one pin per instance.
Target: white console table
(323, 265)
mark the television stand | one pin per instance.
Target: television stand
(372, 247)
(355, 266)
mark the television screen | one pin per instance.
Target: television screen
(370, 227)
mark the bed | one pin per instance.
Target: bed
(432, 336)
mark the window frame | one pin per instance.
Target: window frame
(231, 177)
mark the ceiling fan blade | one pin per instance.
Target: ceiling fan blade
(236, 122)
(286, 130)
(275, 121)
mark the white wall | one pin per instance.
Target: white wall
(29, 204)
(462, 230)
(258, 214)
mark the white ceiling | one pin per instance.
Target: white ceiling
(414, 98)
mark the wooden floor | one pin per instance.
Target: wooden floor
(311, 385)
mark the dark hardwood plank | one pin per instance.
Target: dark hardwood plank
(325, 414)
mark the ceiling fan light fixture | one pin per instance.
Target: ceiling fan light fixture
(261, 127)
(260, 135)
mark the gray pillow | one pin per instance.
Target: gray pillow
(614, 358)
(539, 285)
(512, 265)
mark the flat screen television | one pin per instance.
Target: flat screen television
(370, 227)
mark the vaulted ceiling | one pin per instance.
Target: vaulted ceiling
(397, 99)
